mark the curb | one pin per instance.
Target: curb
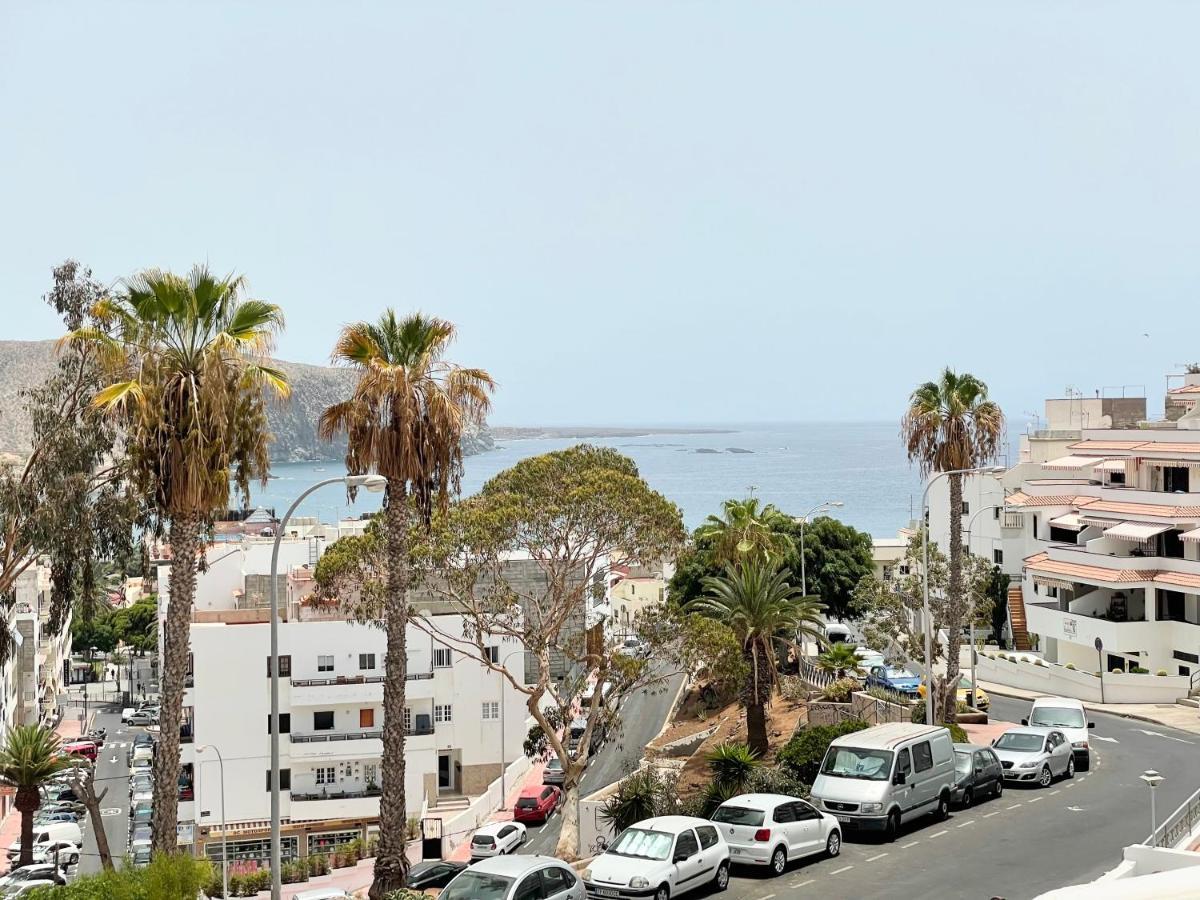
(1096, 708)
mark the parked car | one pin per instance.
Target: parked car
(497, 839)
(661, 857)
(25, 888)
(433, 873)
(143, 717)
(323, 894)
(59, 792)
(963, 694)
(141, 815)
(45, 834)
(126, 713)
(41, 818)
(631, 646)
(140, 856)
(881, 777)
(33, 872)
(1068, 716)
(57, 806)
(1035, 754)
(900, 680)
(64, 852)
(553, 772)
(143, 781)
(868, 658)
(773, 829)
(140, 837)
(977, 773)
(510, 877)
(536, 803)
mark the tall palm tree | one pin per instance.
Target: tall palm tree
(756, 602)
(743, 530)
(406, 421)
(188, 360)
(29, 757)
(951, 424)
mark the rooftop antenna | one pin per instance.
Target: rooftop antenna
(751, 488)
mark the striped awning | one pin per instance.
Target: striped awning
(1191, 535)
(1111, 465)
(1136, 531)
(1054, 583)
(1073, 521)
(1072, 463)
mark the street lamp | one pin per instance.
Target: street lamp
(503, 760)
(1153, 779)
(970, 524)
(803, 520)
(374, 483)
(224, 830)
(926, 615)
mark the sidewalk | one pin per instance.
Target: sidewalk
(1172, 715)
(532, 778)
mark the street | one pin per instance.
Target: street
(112, 772)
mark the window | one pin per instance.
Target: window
(981, 760)
(904, 569)
(685, 844)
(189, 676)
(530, 888)
(441, 657)
(904, 762)
(998, 556)
(366, 660)
(556, 879)
(407, 719)
(804, 812)
(285, 779)
(285, 723)
(491, 711)
(370, 774)
(493, 653)
(966, 509)
(442, 713)
(922, 756)
(995, 512)
(325, 774)
(707, 834)
(366, 718)
(323, 721)
(285, 666)
(784, 813)
(324, 663)
(1116, 477)
(330, 840)
(1193, 658)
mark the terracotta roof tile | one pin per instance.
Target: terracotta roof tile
(1093, 573)
(1138, 448)
(1165, 511)
(1105, 445)
(1179, 579)
(1185, 389)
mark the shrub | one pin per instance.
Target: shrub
(882, 693)
(957, 734)
(1040, 662)
(1070, 666)
(406, 894)
(318, 865)
(1161, 673)
(291, 873)
(1116, 670)
(1139, 670)
(775, 780)
(840, 691)
(642, 795)
(801, 756)
(168, 877)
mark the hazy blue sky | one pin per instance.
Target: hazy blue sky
(641, 211)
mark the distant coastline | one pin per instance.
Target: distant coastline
(512, 433)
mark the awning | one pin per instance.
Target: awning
(1073, 521)
(1190, 535)
(1111, 465)
(1054, 583)
(1136, 531)
(1072, 463)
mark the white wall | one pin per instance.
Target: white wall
(1059, 681)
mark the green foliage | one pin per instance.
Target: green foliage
(836, 558)
(839, 660)
(643, 794)
(1139, 670)
(732, 764)
(957, 734)
(168, 877)
(840, 690)
(406, 894)
(801, 756)
(1161, 673)
(744, 532)
(1070, 666)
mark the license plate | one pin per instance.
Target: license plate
(845, 820)
(737, 851)
(607, 892)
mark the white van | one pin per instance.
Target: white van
(51, 831)
(877, 778)
(1067, 715)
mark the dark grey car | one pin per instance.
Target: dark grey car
(977, 774)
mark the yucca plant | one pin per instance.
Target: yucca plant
(840, 660)
(732, 765)
(640, 796)
(29, 757)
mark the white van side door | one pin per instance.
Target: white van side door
(925, 786)
(903, 793)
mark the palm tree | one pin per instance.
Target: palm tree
(406, 421)
(732, 765)
(756, 602)
(29, 757)
(640, 796)
(950, 425)
(839, 660)
(744, 530)
(188, 359)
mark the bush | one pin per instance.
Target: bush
(642, 795)
(1161, 673)
(1070, 666)
(168, 877)
(1040, 662)
(882, 693)
(775, 780)
(801, 756)
(318, 865)
(293, 872)
(1116, 670)
(957, 734)
(406, 894)
(840, 691)
(1138, 670)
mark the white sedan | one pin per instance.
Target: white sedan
(497, 839)
(66, 853)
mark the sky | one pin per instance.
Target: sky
(638, 212)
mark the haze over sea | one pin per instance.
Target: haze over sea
(794, 466)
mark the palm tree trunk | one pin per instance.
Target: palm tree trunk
(956, 604)
(27, 803)
(185, 540)
(756, 693)
(391, 861)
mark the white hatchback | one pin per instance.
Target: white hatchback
(771, 829)
(660, 858)
(497, 839)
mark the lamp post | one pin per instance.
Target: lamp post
(803, 520)
(925, 613)
(970, 524)
(1153, 779)
(373, 483)
(224, 830)
(503, 758)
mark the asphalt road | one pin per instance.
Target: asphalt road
(642, 718)
(1029, 841)
(113, 775)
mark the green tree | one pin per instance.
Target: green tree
(755, 601)
(802, 755)
(839, 660)
(642, 795)
(997, 590)
(406, 421)
(836, 558)
(950, 425)
(744, 531)
(187, 357)
(29, 757)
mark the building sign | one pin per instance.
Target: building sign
(185, 834)
(1069, 627)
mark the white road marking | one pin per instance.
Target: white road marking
(909, 844)
(1097, 737)
(940, 833)
(1161, 735)
(1052, 793)
(804, 883)
(1034, 799)
(1014, 806)
(1074, 809)
(989, 815)
(873, 858)
(841, 870)
(1072, 784)
(966, 823)
(766, 897)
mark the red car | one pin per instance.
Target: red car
(536, 803)
(81, 748)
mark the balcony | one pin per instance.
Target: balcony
(360, 689)
(1076, 628)
(334, 805)
(332, 745)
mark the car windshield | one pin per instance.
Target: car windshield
(554, 763)
(738, 815)
(1057, 716)
(1023, 743)
(852, 762)
(900, 673)
(962, 761)
(642, 843)
(477, 886)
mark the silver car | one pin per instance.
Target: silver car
(1035, 754)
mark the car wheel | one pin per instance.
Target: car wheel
(943, 809)
(778, 861)
(663, 893)
(999, 788)
(967, 798)
(833, 846)
(721, 882)
(1085, 763)
(1071, 767)
(1046, 777)
(892, 829)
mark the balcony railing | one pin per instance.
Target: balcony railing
(321, 737)
(358, 679)
(338, 795)
(1013, 520)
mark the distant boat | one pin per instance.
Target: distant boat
(319, 469)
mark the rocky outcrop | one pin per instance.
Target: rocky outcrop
(26, 364)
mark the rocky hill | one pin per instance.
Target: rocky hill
(25, 364)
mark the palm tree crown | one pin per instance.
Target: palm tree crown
(744, 530)
(29, 757)
(951, 424)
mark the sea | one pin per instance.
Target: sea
(794, 466)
